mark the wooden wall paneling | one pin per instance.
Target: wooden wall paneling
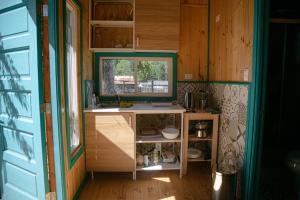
(47, 99)
(76, 174)
(87, 55)
(192, 56)
(118, 11)
(194, 2)
(157, 24)
(231, 40)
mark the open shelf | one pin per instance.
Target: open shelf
(112, 49)
(194, 138)
(160, 166)
(201, 159)
(156, 140)
(106, 23)
(111, 25)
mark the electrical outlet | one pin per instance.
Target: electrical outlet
(246, 74)
(188, 76)
(218, 17)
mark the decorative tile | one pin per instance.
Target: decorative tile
(242, 113)
(224, 124)
(227, 92)
(232, 101)
(235, 94)
(244, 95)
(194, 88)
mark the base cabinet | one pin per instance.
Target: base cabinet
(110, 142)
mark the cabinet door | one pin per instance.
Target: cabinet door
(192, 56)
(231, 40)
(157, 24)
(110, 142)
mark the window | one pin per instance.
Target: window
(71, 75)
(136, 76)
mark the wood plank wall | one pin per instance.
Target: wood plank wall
(47, 99)
(231, 40)
(87, 55)
(192, 55)
(76, 174)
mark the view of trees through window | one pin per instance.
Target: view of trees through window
(135, 76)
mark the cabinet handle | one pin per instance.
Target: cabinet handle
(137, 41)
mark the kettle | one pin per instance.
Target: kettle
(188, 101)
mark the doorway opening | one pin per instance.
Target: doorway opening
(280, 132)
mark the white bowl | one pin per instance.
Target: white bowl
(170, 133)
(194, 153)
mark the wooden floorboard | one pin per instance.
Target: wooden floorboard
(164, 185)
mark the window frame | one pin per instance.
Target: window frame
(74, 154)
(172, 92)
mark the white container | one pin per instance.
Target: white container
(170, 133)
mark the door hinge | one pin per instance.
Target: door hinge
(45, 108)
(51, 196)
(45, 10)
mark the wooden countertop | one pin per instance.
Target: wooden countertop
(141, 109)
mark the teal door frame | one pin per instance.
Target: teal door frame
(256, 99)
(56, 99)
(23, 159)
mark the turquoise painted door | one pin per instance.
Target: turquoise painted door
(24, 172)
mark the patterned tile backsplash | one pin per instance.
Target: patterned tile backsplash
(232, 101)
(193, 87)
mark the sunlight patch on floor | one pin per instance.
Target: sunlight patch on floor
(163, 179)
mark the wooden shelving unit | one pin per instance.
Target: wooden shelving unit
(111, 25)
(194, 138)
(177, 145)
(160, 166)
(211, 138)
(198, 160)
(156, 140)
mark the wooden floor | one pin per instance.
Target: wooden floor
(164, 185)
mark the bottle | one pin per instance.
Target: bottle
(94, 101)
(155, 157)
(146, 161)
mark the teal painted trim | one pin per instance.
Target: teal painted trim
(82, 184)
(41, 95)
(72, 158)
(53, 24)
(93, 68)
(256, 102)
(229, 83)
(208, 42)
(82, 82)
(216, 82)
(136, 54)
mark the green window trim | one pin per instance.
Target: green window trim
(73, 157)
(97, 57)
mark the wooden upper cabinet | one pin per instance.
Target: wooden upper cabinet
(192, 55)
(157, 24)
(231, 40)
